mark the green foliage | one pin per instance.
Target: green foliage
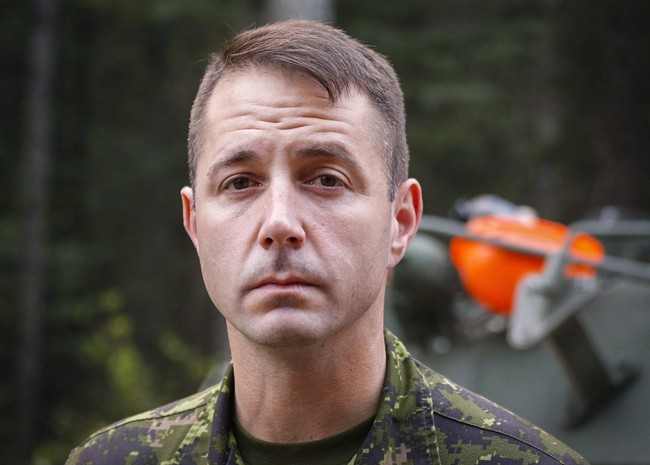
(468, 72)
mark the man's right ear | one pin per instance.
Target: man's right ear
(189, 215)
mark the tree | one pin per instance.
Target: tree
(601, 155)
(37, 161)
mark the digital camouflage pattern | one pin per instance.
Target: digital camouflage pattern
(423, 419)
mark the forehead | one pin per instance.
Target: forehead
(248, 101)
(280, 87)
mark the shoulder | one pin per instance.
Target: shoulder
(467, 423)
(151, 437)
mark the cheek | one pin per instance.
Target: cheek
(218, 251)
(360, 241)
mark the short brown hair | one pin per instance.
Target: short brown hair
(328, 55)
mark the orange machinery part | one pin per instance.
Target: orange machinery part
(491, 273)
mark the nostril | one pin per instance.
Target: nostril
(291, 241)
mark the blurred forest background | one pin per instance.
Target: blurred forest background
(104, 314)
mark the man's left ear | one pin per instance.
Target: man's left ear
(407, 213)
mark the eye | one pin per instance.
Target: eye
(328, 180)
(239, 183)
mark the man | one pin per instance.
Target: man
(299, 207)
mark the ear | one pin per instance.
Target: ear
(407, 213)
(189, 215)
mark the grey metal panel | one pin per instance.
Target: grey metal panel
(532, 383)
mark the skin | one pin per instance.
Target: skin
(296, 235)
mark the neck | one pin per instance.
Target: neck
(303, 394)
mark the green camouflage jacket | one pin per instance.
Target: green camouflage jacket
(423, 418)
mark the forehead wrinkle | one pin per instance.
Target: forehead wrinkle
(269, 118)
(287, 114)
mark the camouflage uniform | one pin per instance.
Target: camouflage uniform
(423, 418)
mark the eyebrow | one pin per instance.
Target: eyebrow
(315, 151)
(232, 159)
(329, 151)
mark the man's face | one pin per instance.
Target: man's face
(292, 222)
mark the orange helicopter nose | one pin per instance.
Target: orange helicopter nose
(490, 273)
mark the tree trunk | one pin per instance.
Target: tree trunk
(317, 10)
(36, 167)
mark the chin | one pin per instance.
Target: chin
(284, 329)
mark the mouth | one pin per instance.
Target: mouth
(275, 291)
(285, 284)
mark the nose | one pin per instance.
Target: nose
(281, 224)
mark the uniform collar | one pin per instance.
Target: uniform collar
(403, 431)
